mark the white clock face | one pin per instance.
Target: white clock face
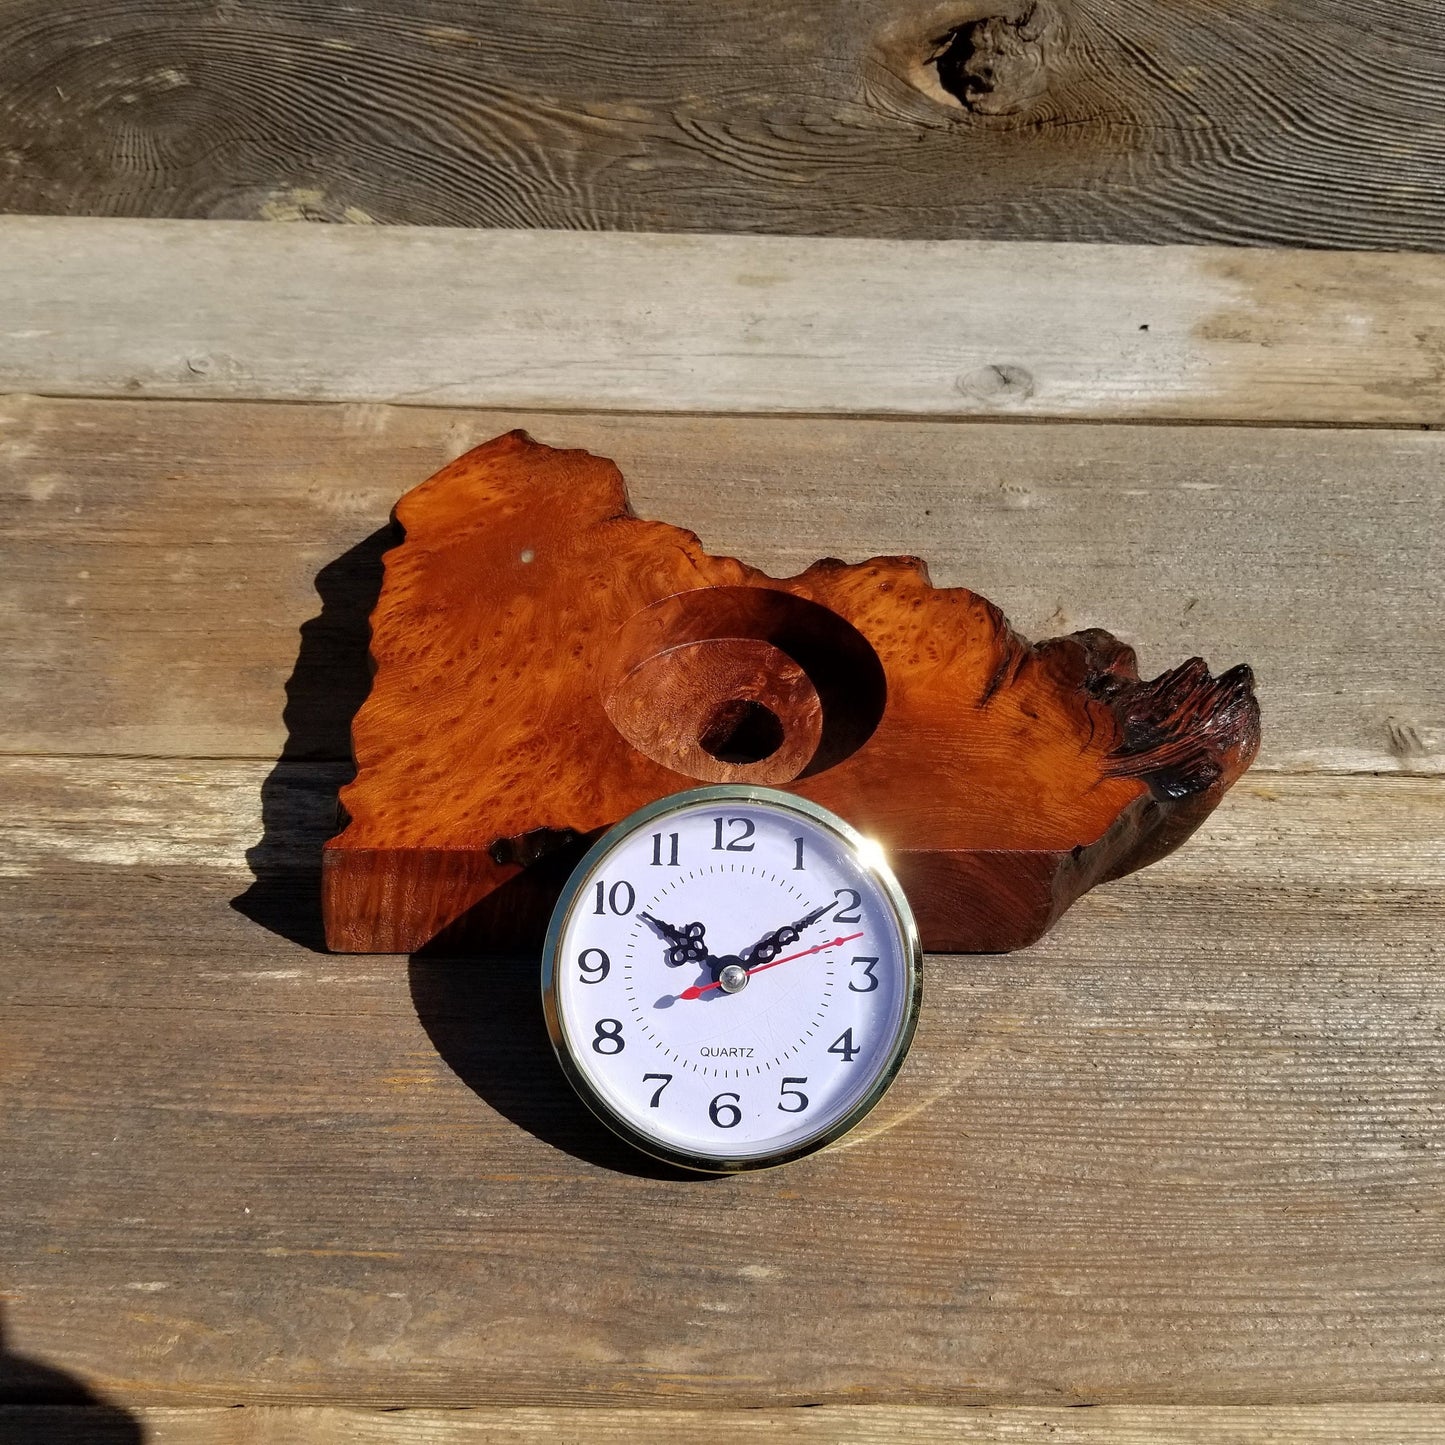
(731, 978)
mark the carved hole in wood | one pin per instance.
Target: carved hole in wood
(743, 684)
(742, 731)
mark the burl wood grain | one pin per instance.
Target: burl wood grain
(547, 662)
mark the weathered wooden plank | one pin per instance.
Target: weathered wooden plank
(835, 1425)
(208, 816)
(203, 814)
(158, 557)
(1187, 1149)
(717, 323)
(1062, 119)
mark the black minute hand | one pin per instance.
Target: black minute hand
(770, 945)
(687, 943)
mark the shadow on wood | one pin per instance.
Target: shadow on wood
(37, 1402)
(485, 1020)
(328, 683)
(486, 1023)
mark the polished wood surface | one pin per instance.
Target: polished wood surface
(546, 663)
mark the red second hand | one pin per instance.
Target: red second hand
(697, 990)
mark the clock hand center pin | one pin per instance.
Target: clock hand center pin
(733, 978)
(697, 990)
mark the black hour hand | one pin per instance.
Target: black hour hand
(767, 948)
(687, 945)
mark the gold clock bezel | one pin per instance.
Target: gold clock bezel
(867, 856)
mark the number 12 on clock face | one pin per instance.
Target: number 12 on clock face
(732, 978)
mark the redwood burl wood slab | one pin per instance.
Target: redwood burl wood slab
(546, 662)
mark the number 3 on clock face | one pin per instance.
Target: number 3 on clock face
(731, 978)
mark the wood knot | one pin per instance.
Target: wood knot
(997, 64)
(998, 383)
(1184, 731)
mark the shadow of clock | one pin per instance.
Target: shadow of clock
(484, 1017)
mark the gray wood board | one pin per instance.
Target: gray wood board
(1311, 122)
(1188, 1149)
(825, 1425)
(159, 558)
(557, 320)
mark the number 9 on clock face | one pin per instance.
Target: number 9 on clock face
(731, 978)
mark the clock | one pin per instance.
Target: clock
(731, 978)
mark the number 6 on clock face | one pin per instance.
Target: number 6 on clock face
(731, 978)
